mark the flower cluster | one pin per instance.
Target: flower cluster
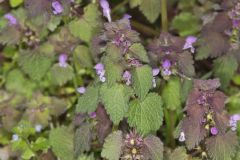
(171, 54)
(133, 146)
(120, 34)
(127, 77)
(30, 38)
(100, 71)
(234, 15)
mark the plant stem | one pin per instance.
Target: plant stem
(164, 15)
(75, 79)
(144, 29)
(170, 124)
(119, 6)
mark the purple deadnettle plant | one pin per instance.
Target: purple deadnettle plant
(205, 115)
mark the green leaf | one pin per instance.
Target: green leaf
(179, 154)
(10, 35)
(150, 9)
(88, 102)
(186, 4)
(82, 56)
(222, 147)
(19, 145)
(113, 52)
(171, 94)
(115, 100)
(154, 148)
(88, 25)
(139, 52)
(24, 129)
(92, 15)
(203, 52)
(84, 157)
(185, 64)
(27, 154)
(61, 140)
(179, 23)
(212, 44)
(82, 139)
(236, 79)
(113, 71)
(237, 157)
(15, 3)
(142, 80)
(35, 64)
(16, 82)
(53, 23)
(81, 29)
(112, 148)
(146, 116)
(61, 75)
(41, 144)
(134, 3)
(224, 68)
(186, 87)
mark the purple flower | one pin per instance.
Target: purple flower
(128, 17)
(135, 63)
(202, 100)
(155, 72)
(122, 41)
(11, 19)
(81, 90)
(189, 43)
(106, 9)
(38, 128)
(234, 15)
(214, 131)
(15, 137)
(63, 60)
(167, 72)
(166, 64)
(182, 137)
(100, 71)
(233, 121)
(236, 23)
(92, 115)
(127, 77)
(57, 7)
(167, 52)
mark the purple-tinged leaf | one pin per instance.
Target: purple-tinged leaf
(104, 124)
(82, 139)
(222, 147)
(153, 148)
